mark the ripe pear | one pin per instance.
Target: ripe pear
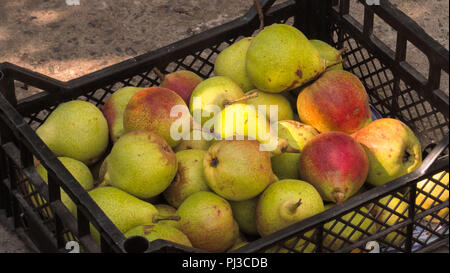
(78, 170)
(169, 212)
(437, 194)
(329, 53)
(285, 165)
(237, 169)
(189, 178)
(361, 219)
(76, 129)
(337, 101)
(335, 164)
(114, 108)
(389, 219)
(141, 163)
(150, 109)
(392, 148)
(215, 91)
(231, 63)
(284, 203)
(268, 99)
(157, 231)
(237, 246)
(244, 214)
(207, 220)
(182, 82)
(296, 133)
(298, 245)
(281, 58)
(123, 209)
(198, 139)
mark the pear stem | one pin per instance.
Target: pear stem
(249, 96)
(158, 218)
(294, 207)
(260, 14)
(330, 64)
(343, 50)
(159, 73)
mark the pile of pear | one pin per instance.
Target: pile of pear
(219, 188)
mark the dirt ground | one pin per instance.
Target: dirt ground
(67, 41)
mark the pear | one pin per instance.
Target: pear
(436, 194)
(284, 203)
(115, 107)
(281, 58)
(237, 169)
(231, 63)
(361, 219)
(296, 133)
(182, 82)
(237, 246)
(157, 231)
(198, 139)
(189, 178)
(167, 211)
(211, 93)
(76, 129)
(78, 170)
(244, 213)
(298, 245)
(329, 53)
(285, 165)
(141, 163)
(207, 220)
(268, 99)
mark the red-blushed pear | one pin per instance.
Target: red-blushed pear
(284, 203)
(182, 82)
(150, 109)
(337, 101)
(207, 220)
(335, 164)
(392, 148)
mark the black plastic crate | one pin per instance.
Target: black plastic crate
(396, 89)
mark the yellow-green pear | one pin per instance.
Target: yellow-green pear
(198, 139)
(157, 231)
(211, 95)
(189, 178)
(231, 63)
(244, 213)
(297, 245)
(436, 194)
(76, 129)
(281, 58)
(285, 165)
(167, 211)
(284, 203)
(141, 163)
(283, 105)
(329, 53)
(296, 133)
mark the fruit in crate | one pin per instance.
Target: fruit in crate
(150, 109)
(215, 91)
(76, 129)
(78, 170)
(182, 82)
(189, 178)
(123, 209)
(303, 244)
(329, 53)
(337, 101)
(198, 139)
(430, 194)
(231, 63)
(141, 163)
(392, 148)
(335, 164)
(296, 133)
(285, 165)
(114, 108)
(169, 212)
(237, 169)
(281, 58)
(157, 231)
(284, 203)
(207, 220)
(244, 213)
(283, 105)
